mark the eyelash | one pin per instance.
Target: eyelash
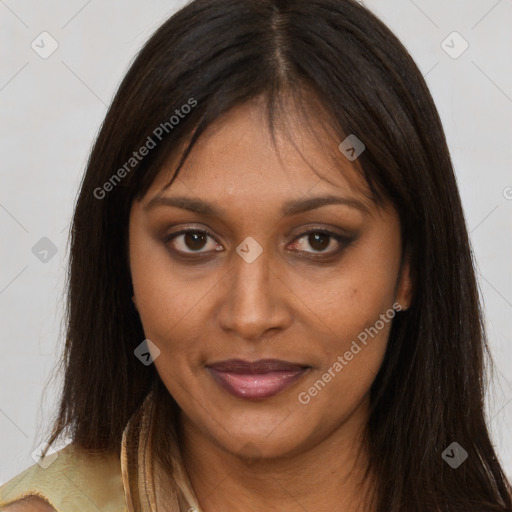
(343, 240)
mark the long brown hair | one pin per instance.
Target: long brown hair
(215, 54)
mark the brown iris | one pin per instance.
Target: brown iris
(195, 241)
(319, 241)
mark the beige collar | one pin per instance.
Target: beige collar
(147, 486)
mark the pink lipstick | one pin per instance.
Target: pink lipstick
(256, 380)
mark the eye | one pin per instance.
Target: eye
(320, 241)
(196, 241)
(192, 241)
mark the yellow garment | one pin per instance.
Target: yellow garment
(80, 481)
(74, 481)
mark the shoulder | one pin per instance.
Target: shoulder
(29, 504)
(74, 477)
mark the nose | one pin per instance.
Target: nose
(254, 303)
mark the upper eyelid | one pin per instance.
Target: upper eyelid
(311, 229)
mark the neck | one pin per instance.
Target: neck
(327, 476)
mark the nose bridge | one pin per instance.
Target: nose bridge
(251, 305)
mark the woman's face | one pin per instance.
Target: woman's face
(258, 277)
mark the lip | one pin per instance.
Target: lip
(256, 380)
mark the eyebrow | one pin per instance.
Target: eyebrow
(290, 207)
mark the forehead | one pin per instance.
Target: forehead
(235, 156)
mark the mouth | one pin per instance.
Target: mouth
(258, 379)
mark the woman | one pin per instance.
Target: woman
(272, 301)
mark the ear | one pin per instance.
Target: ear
(404, 288)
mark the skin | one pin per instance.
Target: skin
(297, 301)
(29, 504)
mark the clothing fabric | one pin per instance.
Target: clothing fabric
(83, 481)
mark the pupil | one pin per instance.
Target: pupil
(319, 241)
(194, 240)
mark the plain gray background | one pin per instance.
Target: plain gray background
(51, 110)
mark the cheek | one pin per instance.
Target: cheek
(166, 296)
(351, 362)
(344, 301)
(353, 311)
